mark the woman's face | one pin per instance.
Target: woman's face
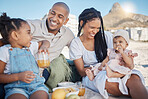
(91, 28)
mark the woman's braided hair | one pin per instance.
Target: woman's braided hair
(7, 25)
(100, 42)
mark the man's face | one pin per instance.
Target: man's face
(56, 18)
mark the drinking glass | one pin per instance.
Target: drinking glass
(43, 61)
(81, 88)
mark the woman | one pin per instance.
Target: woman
(90, 48)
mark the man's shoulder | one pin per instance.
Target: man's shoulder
(35, 21)
(66, 30)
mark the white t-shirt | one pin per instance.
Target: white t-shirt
(4, 55)
(57, 42)
(77, 50)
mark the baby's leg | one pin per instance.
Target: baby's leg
(90, 74)
(112, 74)
(109, 72)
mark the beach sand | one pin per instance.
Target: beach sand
(141, 61)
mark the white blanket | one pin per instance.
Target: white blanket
(98, 84)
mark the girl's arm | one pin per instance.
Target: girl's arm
(26, 76)
(80, 66)
(43, 46)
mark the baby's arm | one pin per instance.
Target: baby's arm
(43, 46)
(26, 76)
(126, 58)
(128, 61)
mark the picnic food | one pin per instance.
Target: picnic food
(58, 94)
(73, 96)
(68, 90)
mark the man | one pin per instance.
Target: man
(59, 36)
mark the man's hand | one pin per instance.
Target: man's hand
(43, 49)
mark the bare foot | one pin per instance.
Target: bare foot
(109, 72)
(89, 74)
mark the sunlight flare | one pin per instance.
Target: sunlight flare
(129, 7)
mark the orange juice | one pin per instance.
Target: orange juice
(81, 91)
(43, 63)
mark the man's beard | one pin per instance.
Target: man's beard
(52, 29)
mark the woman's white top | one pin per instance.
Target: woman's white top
(77, 50)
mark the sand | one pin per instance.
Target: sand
(141, 61)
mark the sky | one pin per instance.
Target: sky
(36, 9)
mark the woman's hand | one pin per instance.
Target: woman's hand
(100, 67)
(26, 76)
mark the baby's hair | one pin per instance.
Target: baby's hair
(117, 37)
(7, 25)
(100, 42)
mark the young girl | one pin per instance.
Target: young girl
(18, 68)
(119, 54)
